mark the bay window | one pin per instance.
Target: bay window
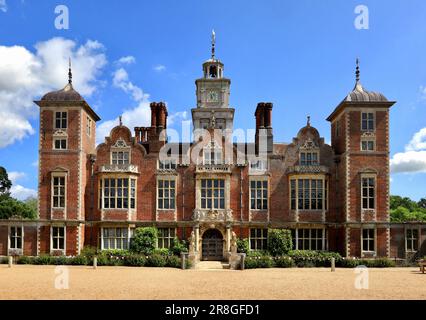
(212, 194)
(308, 194)
(115, 238)
(118, 193)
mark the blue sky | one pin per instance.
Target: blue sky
(300, 55)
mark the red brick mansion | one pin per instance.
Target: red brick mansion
(332, 197)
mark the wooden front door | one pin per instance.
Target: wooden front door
(212, 245)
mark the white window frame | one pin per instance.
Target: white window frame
(60, 119)
(306, 152)
(53, 194)
(88, 126)
(130, 192)
(170, 164)
(412, 240)
(324, 201)
(213, 198)
(120, 161)
(367, 141)
(52, 237)
(262, 238)
(167, 239)
(169, 189)
(61, 138)
(121, 238)
(369, 239)
(368, 120)
(262, 180)
(9, 246)
(310, 238)
(368, 197)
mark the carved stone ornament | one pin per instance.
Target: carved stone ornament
(309, 145)
(120, 143)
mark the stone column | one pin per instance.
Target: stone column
(228, 238)
(197, 238)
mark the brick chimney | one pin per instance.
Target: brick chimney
(264, 138)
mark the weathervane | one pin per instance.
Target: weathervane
(69, 71)
(357, 70)
(213, 43)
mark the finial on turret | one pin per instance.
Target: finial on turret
(120, 121)
(213, 43)
(69, 71)
(357, 70)
(309, 121)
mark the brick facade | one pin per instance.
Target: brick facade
(321, 199)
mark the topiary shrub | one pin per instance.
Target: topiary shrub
(173, 262)
(135, 260)
(144, 240)
(279, 242)
(156, 260)
(243, 246)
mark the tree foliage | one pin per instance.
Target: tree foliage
(5, 184)
(279, 241)
(144, 240)
(14, 208)
(403, 209)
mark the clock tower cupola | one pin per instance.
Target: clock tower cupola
(213, 91)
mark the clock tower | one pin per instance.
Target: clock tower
(213, 90)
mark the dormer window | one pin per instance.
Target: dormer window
(120, 157)
(309, 158)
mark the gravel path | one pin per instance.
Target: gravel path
(38, 282)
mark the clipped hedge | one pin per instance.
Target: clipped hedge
(310, 259)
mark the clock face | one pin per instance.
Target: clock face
(212, 96)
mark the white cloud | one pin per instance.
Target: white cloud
(175, 117)
(21, 193)
(18, 191)
(126, 60)
(3, 5)
(132, 117)
(25, 75)
(414, 158)
(14, 176)
(121, 80)
(418, 142)
(159, 68)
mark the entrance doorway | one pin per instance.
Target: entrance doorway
(212, 245)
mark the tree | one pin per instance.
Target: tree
(398, 201)
(422, 203)
(5, 184)
(14, 208)
(279, 241)
(32, 203)
(144, 240)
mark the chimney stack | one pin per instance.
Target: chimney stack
(264, 138)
